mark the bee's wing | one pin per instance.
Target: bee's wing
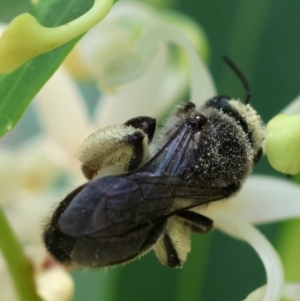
(113, 206)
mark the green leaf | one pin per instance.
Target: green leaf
(18, 88)
(12, 8)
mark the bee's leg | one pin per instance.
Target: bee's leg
(197, 222)
(117, 149)
(173, 246)
(171, 252)
(144, 123)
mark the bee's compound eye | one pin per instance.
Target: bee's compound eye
(218, 102)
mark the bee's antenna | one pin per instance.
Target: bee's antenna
(240, 75)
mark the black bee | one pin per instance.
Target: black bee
(203, 155)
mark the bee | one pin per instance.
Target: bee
(135, 202)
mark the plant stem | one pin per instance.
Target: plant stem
(17, 263)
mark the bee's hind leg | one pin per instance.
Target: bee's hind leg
(197, 222)
(174, 244)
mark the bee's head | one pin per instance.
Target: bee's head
(242, 113)
(245, 116)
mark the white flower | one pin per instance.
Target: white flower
(29, 174)
(128, 53)
(145, 88)
(52, 281)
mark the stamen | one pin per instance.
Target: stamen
(71, 124)
(235, 226)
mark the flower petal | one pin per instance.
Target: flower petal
(109, 50)
(257, 295)
(202, 86)
(9, 176)
(291, 291)
(293, 107)
(236, 226)
(2, 27)
(27, 217)
(266, 199)
(32, 168)
(62, 113)
(139, 55)
(138, 98)
(52, 281)
(55, 284)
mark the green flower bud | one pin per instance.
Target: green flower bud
(283, 143)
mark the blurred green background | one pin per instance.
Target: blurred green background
(263, 38)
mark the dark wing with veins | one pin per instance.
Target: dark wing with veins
(114, 206)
